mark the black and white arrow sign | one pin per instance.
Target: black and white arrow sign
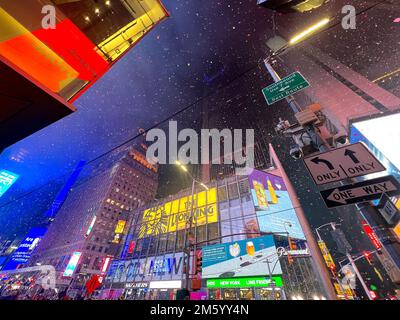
(360, 192)
(346, 162)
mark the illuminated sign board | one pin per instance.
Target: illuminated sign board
(7, 179)
(380, 134)
(105, 264)
(164, 267)
(91, 226)
(73, 262)
(396, 230)
(326, 254)
(120, 226)
(371, 235)
(251, 282)
(250, 257)
(24, 251)
(274, 209)
(174, 215)
(173, 284)
(137, 156)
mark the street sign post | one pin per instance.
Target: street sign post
(346, 162)
(360, 192)
(284, 88)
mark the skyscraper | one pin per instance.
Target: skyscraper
(87, 231)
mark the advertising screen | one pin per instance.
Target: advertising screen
(380, 135)
(24, 251)
(274, 209)
(174, 215)
(250, 257)
(120, 226)
(7, 179)
(73, 262)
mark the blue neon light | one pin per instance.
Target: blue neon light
(7, 179)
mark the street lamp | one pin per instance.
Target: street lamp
(189, 230)
(302, 35)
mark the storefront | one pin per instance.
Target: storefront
(251, 288)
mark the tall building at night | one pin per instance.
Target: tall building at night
(236, 215)
(88, 228)
(48, 65)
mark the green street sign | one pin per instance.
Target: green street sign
(244, 282)
(284, 88)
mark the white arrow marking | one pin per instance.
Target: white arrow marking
(284, 88)
(376, 188)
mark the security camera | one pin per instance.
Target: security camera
(296, 152)
(340, 140)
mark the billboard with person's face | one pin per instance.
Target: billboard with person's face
(274, 209)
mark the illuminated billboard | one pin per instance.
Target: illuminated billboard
(250, 257)
(89, 230)
(73, 262)
(120, 226)
(174, 215)
(7, 179)
(380, 135)
(24, 251)
(274, 209)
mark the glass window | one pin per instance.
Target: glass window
(235, 212)
(244, 186)
(171, 241)
(224, 214)
(213, 233)
(162, 243)
(180, 240)
(233, 191)
(222, 194)
(201, 233)
(226, 231)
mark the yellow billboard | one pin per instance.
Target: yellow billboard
(175, 215)
(120, 226)
(326, 254)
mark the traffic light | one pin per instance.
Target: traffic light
(292, 244)
(373, 294)
(199, 264)
(367, 256)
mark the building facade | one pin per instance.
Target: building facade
(243, 227)
(87, 230)
(51, 51)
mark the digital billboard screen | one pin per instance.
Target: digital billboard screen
(73, 262)
(250, 257)
(25, 249)
(380, 135)
(7, 179)
(174, 215)
(274, 209)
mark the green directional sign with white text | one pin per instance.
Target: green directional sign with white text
(244, 282)
(284, 88)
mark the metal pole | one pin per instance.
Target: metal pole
(187, 245)
(271, 280)
(315, 251)
(348, 255)
(359, 276)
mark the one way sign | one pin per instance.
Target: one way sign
(360, 192)
(346, 162)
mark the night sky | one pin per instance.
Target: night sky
(199, 49)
